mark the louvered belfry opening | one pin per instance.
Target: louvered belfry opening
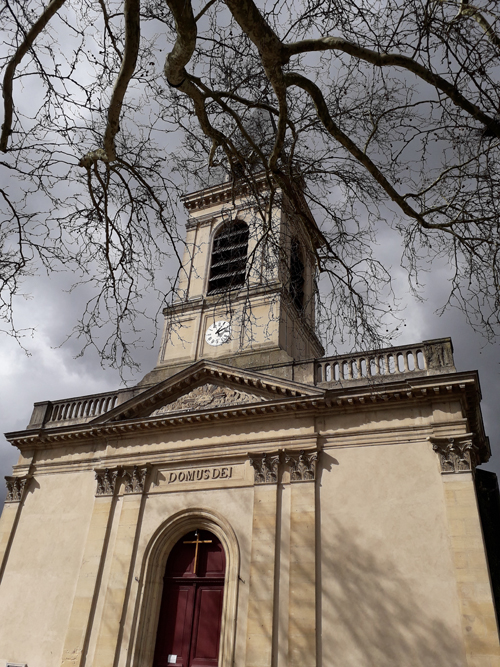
(229, 257)
(296, 275)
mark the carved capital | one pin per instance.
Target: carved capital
(265, 468)
(135, 478)
(456, 454)
(302, 466)
(106, 481)
(15, 488)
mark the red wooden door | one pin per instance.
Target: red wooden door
(191, 609)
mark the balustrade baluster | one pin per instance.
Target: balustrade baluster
(385, 362)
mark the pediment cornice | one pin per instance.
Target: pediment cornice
(287, 399)
(224, 386)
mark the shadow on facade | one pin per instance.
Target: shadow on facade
(369, 614)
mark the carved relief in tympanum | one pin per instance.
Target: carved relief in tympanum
(207, 396)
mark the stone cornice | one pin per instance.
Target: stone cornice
(270, 290)
(240, 194)
(374, 368)
(460, 386)
(209, 218)
(221, 193)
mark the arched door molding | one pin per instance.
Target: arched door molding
(153, 569)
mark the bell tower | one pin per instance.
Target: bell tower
(246, 294)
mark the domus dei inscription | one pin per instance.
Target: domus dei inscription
(200, 477)
(200, 474)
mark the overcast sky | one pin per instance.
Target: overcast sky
(53, 372)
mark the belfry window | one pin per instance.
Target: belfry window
(229, 257)
(296, 275)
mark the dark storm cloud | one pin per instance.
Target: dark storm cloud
(51, 371)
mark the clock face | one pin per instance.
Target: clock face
(218, 333)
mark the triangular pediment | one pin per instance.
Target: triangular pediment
(207, 386)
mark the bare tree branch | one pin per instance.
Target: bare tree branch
(395, 60)
(51, 9)
(369, 117)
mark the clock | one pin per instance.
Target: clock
(218, 333)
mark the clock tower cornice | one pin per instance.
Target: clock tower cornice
(220, 300)
(223, 193)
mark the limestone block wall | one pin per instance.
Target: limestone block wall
(389, 594)
(350, 542)
(479, 623)
(41, 573)
(114, 635)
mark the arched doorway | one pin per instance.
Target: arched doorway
(189, 626)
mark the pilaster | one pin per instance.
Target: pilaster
(109, 635)
(87, 588)
(302, 587)
(457, 457)
(16, 487)
(262, 565)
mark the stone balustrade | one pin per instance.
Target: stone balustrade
(427, 358)
(76, 410)
(90, 406)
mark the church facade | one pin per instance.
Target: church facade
(252, 503)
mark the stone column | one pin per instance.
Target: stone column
(302, 586)
(121, 564)
(87, 588)
(479, 625)
(262, 564)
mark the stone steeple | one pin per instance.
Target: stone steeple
(246, 294)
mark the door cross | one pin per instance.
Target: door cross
(197, 542)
